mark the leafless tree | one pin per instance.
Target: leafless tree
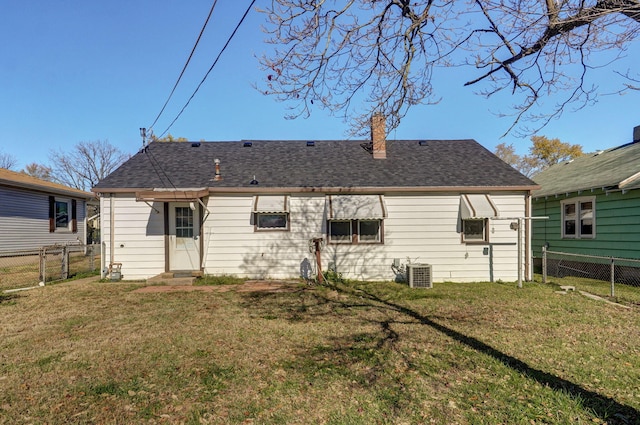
(7, 161)
(38, 171)
(383, 53)
(86, 164)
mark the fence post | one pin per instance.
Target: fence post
(92, 265)
(544, 264)
(43, 264)
(65, 263)
(613, 277)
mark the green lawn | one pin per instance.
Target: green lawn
(353, 353)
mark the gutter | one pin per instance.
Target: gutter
(335, 189)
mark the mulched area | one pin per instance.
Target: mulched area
(248, 286)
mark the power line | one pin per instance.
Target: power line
(210, 69)
(185, 65)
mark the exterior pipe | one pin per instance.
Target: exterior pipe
(112, 225)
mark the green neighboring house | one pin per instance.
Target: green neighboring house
(593, 204)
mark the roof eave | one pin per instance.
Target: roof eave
(74, 193)
(338, 189)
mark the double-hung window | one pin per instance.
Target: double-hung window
(476, 209)
(578, 218)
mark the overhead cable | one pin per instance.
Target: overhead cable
(185, 65)
(210, 69)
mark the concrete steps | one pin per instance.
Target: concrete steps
(175, 278)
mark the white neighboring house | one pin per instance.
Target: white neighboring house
(254, 208)
(36, 213)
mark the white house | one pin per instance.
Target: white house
(256, 208)
(36, 213)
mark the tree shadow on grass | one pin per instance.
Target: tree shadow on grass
(311, 305)
(4, 298)
(605, 407)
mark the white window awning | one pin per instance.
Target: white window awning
(477, 206)
(271, 204)
(356, 207)
(172, 195)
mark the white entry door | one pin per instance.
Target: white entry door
(184, 236)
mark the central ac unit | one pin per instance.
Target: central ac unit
(419, 276)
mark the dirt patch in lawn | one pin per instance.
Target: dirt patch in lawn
(248, 286)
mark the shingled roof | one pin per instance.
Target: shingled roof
(25, 181)
(615, 168)
(314, 165)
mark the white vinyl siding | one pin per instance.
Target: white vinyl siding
(24, 221)
(426, 228)
(138, 236)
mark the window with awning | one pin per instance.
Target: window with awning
(355, 218)
(271, 212)
(475, 210)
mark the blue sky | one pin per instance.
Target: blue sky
(74, 71)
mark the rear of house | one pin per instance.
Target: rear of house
(36, 213)
(260, 209)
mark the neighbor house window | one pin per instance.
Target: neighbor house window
(474, 230)
(62, 214)
(355, 231)
(578, 218)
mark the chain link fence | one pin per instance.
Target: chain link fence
(20, 269)
(605, 276)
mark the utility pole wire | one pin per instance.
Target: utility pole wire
(212, 66)
(185, 65)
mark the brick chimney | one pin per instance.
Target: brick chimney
(378, 136)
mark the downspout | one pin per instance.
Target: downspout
(112, 225)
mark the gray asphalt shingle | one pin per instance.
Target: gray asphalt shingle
(327, 164)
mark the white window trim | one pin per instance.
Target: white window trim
(577, 202)
(69, 213)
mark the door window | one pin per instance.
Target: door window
(184, 222)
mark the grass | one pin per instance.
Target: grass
(625, 294)
(20, 272)
(348, 353)
(219, 280)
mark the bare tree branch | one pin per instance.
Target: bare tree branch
(360, 56)
(7, 161)
(86, 164)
